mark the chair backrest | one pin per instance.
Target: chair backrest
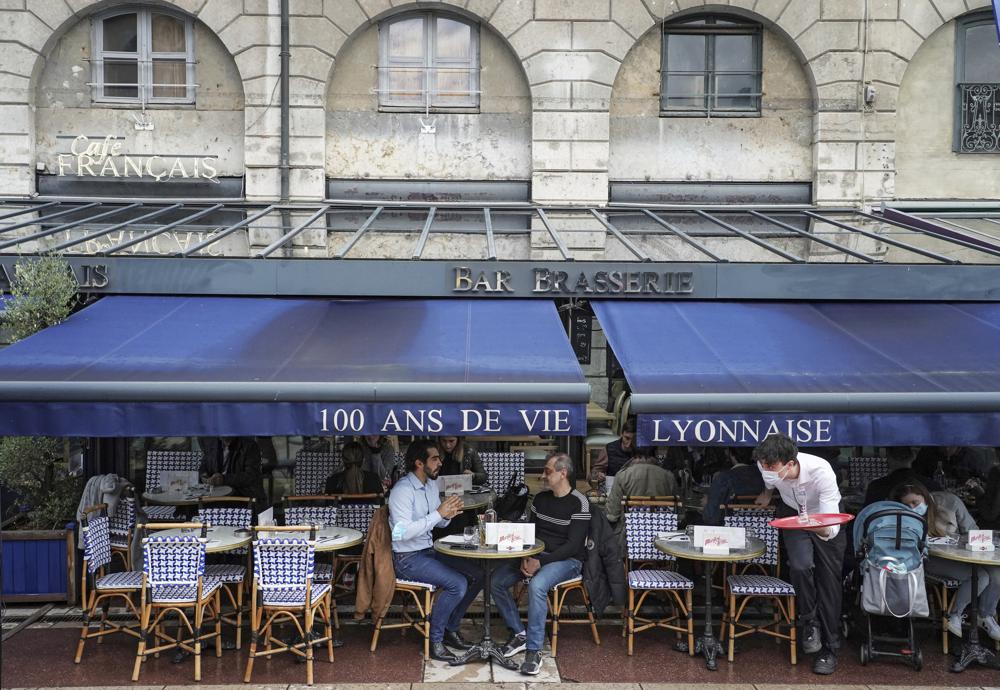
(355, 512)
(311, 510)
(312, 469)
(861, 471)
(399, 460)
(755, 521)
(158, 461)
(96, 541)
(642, 523)
(281, 561)
(123, 521)
(500, 467)
(226, 511)
(170, 562)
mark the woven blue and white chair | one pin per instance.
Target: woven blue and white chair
(104, 588)
(744, 585)
(862, 471)
(354, 511)
(173, 581)
(283, 589)
(159, 461)
(318, 510)
(557, 600)
(944, 589)
(500, 468)
(121, 527)
(230, 511)
(312, 469)
(644, 519)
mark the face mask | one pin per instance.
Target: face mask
(772, 477)
(920, 509)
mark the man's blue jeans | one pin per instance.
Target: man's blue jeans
(458, 582)
(547, 577)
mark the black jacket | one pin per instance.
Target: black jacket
(618, 457)
(603, 569)
(370, 483)
(244, 468)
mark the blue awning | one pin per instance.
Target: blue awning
(143, 366)
(727, 373)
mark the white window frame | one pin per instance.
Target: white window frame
(428, 62)
(144, 56)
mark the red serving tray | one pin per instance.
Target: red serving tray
(817, 520)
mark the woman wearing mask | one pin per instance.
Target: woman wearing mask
(947, 516)
(353, 479)
(458, 458)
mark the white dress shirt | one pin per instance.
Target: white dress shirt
(819, 481)
(413, 513)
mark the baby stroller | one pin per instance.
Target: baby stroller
(889, 535)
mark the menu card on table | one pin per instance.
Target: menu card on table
(177, 481)
(719, 540)
(454, 484)
(980, 540)
(525, 529)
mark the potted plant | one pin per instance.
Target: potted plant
(39, 555)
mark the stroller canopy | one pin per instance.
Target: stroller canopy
(887, 530)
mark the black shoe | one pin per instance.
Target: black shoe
(454, 639)
(825, 663)
(514, 645)
(442, 653)
(811, 642)
(532, 665)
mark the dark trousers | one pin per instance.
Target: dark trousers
(816, 568)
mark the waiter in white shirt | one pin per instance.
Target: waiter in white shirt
(816, 554)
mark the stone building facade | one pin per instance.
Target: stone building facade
(857, 99)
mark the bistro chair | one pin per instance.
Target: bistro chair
(283, 589)
(744, 586)
(421, 594)
(354, 511)
(502, 469)
(159, 461)
(557, 600)
(311, 471)
(862, 471)
(230, 511)
(173, 580)
(314, 510)
(944, 589)
(644, 519)
(121, 527)
(104, 588)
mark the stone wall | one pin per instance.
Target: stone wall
(571, 51)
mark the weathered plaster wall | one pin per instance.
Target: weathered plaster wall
(493, 144)
(212, 126)
(777, 146)
(926, 165)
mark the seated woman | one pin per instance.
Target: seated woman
(947, 516)
(352, 479)
(458, 458)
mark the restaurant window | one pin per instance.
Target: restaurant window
(710, 67)
(428, 61)
(143, 56)
(977, 76)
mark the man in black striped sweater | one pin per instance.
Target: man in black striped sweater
(562, 521)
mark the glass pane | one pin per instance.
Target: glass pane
(453, 87)
(124, 73)
(734, 53)
(167, 72)
(982, 55)
(406, 85)
(728, 88)
(120, 33)
(684, 92)
(168, 34)
(406, 38)
(454, 39)
(685, 52)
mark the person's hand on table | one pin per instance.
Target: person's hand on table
(529, 566)
(450, 507)
(215, 480)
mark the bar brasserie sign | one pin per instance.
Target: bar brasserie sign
(106, 158)
(552, 281)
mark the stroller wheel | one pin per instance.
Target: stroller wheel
(865, 655)
(918, 661)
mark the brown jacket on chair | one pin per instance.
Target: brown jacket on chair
(376, 576)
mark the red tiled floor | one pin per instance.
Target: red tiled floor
(396, 660)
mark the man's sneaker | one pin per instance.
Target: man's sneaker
(532, 663)
(955, 624)
(825, 663)
(811, 642)
(515, 645)
(989, 623)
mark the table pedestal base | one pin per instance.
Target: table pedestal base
(708, 646)
(485, 651)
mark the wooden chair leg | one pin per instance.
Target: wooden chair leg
(557, 602)
(85, 627)
(793, 632)
(308, 643)
(631, 619)
(591, 617)
(143, 632)
(945, 605)
(199, 616)
(218, 624)
(428, 603)
(732, 625)
(689, 603)
(255, 616)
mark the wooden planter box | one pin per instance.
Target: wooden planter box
(39, 565)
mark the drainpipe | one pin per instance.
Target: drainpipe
(285, 55)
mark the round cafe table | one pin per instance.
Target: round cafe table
(329, 538)
(972, 650)
(708, 644)
(488, 557)
(184, 498)
(220, 538)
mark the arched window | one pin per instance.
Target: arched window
(143, 56)
(977, 76)
(428, 61)
(711, 67)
